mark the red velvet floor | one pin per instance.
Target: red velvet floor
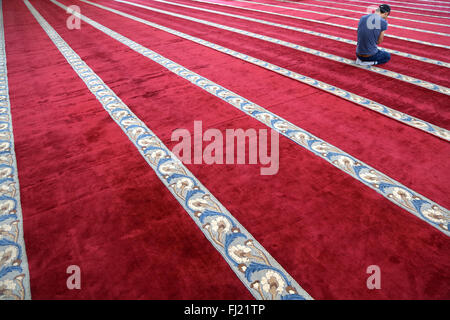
(89, 199)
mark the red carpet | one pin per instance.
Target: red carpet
(436, 52)
(89, 199)
(309, 13)
(378, 87)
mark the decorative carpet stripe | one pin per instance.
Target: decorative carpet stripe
(403, 54)
(370, 4)
(364, 102)
(406, 7)
(422, 4)
(428, 1)
(355, 5)
(387, 73)
(393, 3)
(224, 232)
(392, 190)
(322, 22)
(14, 274)
(363, 12)
(344, 17)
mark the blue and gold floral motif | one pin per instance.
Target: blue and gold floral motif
(326, 151)
(344, 17)
(14, 276)
(325, 22)
(392, 74)
(217, 224)
(361, 101)
(365, 12)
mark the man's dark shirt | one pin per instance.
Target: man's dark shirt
(369, 28)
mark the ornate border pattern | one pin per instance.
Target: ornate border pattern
(356, 5)
(324, 22)
(345, 17)
(384, 72)
(364, 102)
(259, 272)
(314, 33)
(400, 6)
(14, 275)
(413, 202)
(363, 12)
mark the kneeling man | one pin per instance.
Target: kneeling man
(371, 30)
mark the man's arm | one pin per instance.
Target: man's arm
(381, 37)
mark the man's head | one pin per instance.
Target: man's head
(384, 10)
